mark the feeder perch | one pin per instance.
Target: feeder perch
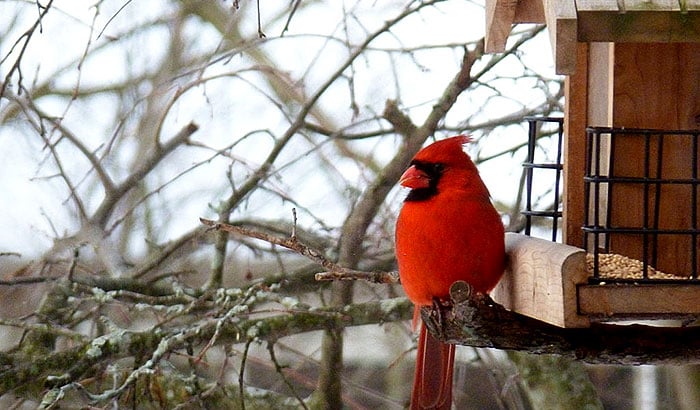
(541, 280)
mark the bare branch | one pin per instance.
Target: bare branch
(29, 105)
(27, 35)
(156, 156)
(73, 362)
(351, 274)
(334, 272)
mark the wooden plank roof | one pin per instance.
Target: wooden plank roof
(570, 21)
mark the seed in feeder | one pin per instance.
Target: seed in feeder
(615, 266)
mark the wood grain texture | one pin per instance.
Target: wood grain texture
(540, 280)
(576, 119)
(529, 11)
(638, 21)
(502, 14)
(639, 301)
(655, 86)
(563, 31)
(628, 5)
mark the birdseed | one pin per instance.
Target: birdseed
(615, 266)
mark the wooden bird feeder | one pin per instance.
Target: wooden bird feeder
(631, 144)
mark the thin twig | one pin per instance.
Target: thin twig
(351, 274)
(27, 281)
(28, 36)
(154, 158)
(280, 369)
(295, 6)
(241, 388)
(260, 32)
(334, 272)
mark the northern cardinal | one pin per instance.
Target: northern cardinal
(447, 230)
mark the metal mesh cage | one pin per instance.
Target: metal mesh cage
(641, 192)
(549, 208)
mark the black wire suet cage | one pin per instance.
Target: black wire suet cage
(547, 211)
(645, 204)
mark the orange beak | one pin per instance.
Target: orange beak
(414, 178)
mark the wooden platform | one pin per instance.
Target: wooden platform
(639, 301)
(548, 281)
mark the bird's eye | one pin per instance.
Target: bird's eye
(438, 168)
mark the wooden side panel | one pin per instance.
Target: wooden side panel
(655, 86)
(649, 83)
(689, 80)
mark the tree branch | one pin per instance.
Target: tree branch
(475, 320)
(72, 363)
(27, 35)
(159, 152)
(335, 272)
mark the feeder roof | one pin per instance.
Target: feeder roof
(571, 21)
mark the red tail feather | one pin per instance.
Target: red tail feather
(432, 383)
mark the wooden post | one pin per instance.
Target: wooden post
(575, 123)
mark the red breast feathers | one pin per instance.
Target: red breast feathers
(447, 229)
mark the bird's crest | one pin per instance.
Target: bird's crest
(449, 150)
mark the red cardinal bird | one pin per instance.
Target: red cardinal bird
(447, 230)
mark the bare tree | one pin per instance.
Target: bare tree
(130, 121)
